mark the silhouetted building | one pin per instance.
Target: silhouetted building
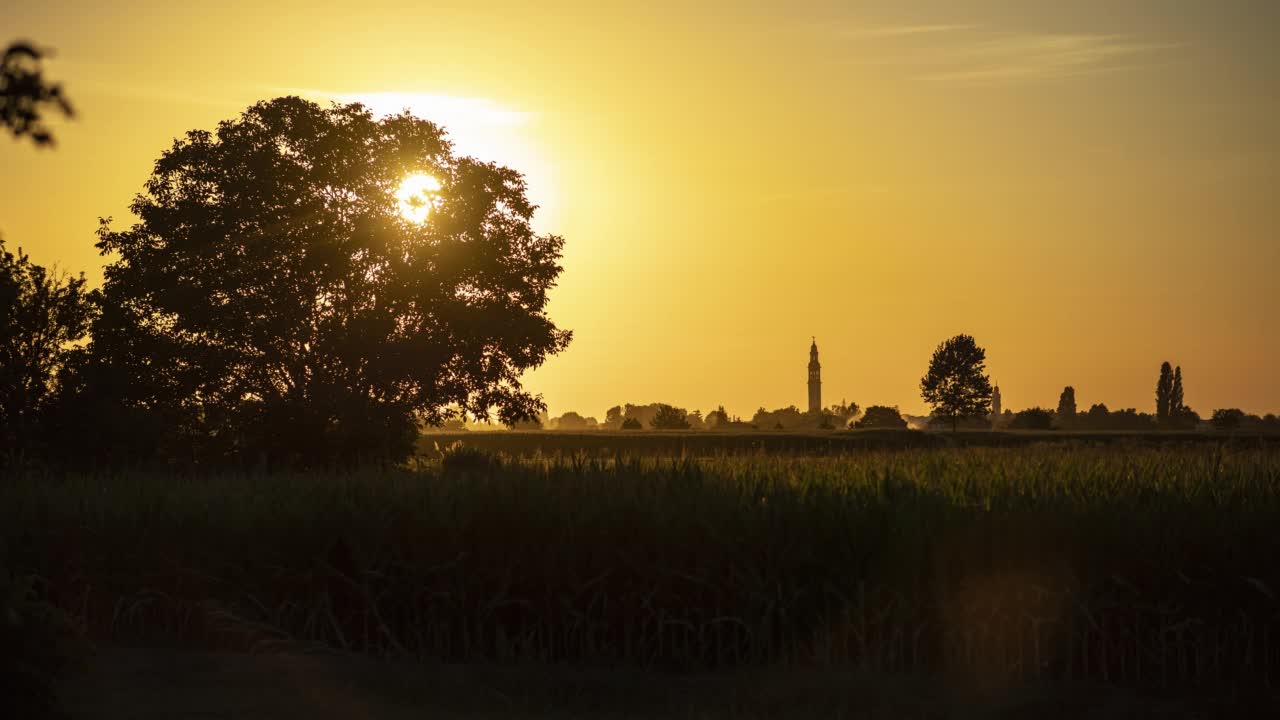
(815, 379)
(995, 401)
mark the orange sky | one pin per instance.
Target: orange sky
(1088, 190)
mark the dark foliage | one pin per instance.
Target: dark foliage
(1227, 418)
(1164, 393)
(631, 424)
(645, 415)
(955, 385)
(527, 423)
(460, 458)
(1032, 419)
(41, 314)
(1184, 418)
(1101, 418)
(25, 96)
(669, 418)
(1066, 415)
(882, 417)
(969, 423)
(273, 303)
(574, 421)
(38, 642)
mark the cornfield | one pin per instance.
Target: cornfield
(1146, 567)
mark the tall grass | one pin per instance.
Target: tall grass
(1144, 567)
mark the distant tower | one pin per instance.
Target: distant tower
(995, 402)
(815, 379)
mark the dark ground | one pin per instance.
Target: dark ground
(131, 683)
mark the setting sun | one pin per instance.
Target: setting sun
(416, 196)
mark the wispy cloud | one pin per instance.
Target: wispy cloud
(1026, 57)
(448, 110)
(969, 54)
(904, 30)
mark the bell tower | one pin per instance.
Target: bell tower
(815, 379)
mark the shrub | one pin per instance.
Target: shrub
(670, 418)
(1032, 419)
(881, 416)
(1227, 418)
(460, 458)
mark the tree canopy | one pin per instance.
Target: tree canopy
(881, 416)
(1227, 418)
(669, 418)
(1067, 406)
(274, 299)
(955, 385)
(1032, 419)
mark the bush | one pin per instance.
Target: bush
(1227, 418)
(881, 416)
(458, 458)
(1032, 419)
(670, 418)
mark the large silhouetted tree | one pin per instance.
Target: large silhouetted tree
(955, 385)
(25, 96)
(41, 316)
(274, 300)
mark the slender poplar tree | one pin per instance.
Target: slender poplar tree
(1164, 393)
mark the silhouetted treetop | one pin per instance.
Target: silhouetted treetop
(274, 294)
(25, 95)
(1067, 404)
(1164, 393)
(669, 418)
(881, 416)
(1227, 418)
(955, 385)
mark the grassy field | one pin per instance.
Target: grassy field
(668, 443)
(1140, 566)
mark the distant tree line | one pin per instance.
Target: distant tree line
(959, 392)
(961, 395)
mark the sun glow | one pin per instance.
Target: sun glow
(484, 128)
(416, 196)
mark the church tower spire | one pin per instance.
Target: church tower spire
(815, 379)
